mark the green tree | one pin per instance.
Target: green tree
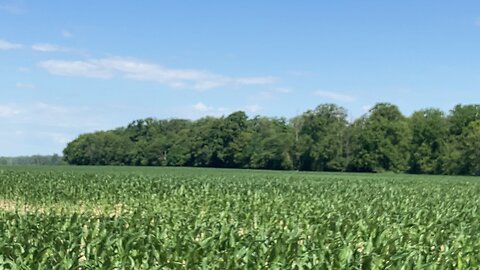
(429, 137)
(271, 144)
(461, 116)
(320, 138)
(232, 128)
(207, 143)
(463, 157)
(380, 141)
(99, 148)
(470, 144)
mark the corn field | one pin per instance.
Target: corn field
(161, 218)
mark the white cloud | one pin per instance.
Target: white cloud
(25, 85)
(282, 90)
(12, 8)
(261, 96)
(202, 108)
(23, 69)
(66, 34)
(45, 114)
(46, 47)
(255, 80)
(39, 127)
(198, 110)
(8, 111)
(302, 73)
(335, 96)
(55, 109)
(58, 138)
(267, 95)
(143, 71)
(254, 108)
(5, 45)
(76, 68)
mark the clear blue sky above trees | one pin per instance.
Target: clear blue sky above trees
(74, 67)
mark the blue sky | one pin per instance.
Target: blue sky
(71, 67)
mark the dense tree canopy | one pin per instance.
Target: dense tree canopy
(429, 138)
(320, 138)
(380, 140)
(429, 141)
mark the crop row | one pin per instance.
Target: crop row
(84, 220)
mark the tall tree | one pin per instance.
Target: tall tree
(461, 116)
(320, 136)
(463, 156)
(232, 128)
(380, 141)
(271, 144)
(429, 137)
(470, 145)
(99, 148)
(207, 143)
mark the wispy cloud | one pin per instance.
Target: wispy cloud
(282, 90)
(25, 85)
(302, 73)
(41, 113)
(5, 45)
(12, 8)
(66, 34)
(39, 47)
(46, 47)
(261, 96)
(58, 138)
(202, 108)
(199, 110)
(39, 127)
(134, 69)
(335, 96)
(23, 69)
(267, 95)
(7, 111)
(253, 108)
(77, 68)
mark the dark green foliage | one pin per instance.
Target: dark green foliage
(270, 145)
(461, 116)
(463, 155)
(320, 138)
(100, 148)
(380, 141)
(470, 149)
(429, 138)
(428, 142)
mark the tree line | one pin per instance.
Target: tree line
(427, 142)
